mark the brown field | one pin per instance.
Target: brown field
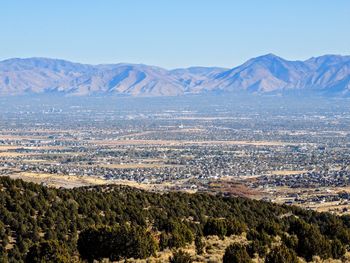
(11, 154)
(134, 165)
(48, 147)
(183, 142)
(57, 180)
(8, 147)
(328, 206)
(232, 187)
(21, 137)
(71, 181)
(281, 194)
(13, 147)
(166, 131)
(17, 154)
(35, 161)
(288, 172)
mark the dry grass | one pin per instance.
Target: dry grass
(8, 147)
(288, 172)
(21, 137)
(71, 181)
(282, 194)
(17, 154)
(57, 180)
(11, 243)
(184, 142)
(11, 154)
(133, 165)
(214, 251)
(35, 161)
(189, 130)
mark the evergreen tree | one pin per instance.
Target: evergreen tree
(281, 254)
(48, 252)
(199, 245)
(236, 253)
(216, 227)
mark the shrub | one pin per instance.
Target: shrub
(310, 241)
(281, 254)
(235, 227)
(291, 241)
(181, 256)
(337, 248)
(236, 253)
(257, 247)
(177, 234)
(199, 245)
(216, 227)
(116, 243)
(48, 251)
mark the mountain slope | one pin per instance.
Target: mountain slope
(43, 224)
(329, 75)
(40, 75)
(270, 73)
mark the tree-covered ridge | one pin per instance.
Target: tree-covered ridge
(39, 224)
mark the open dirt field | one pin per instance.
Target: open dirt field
(134, 165)
(183, 142)
(66, 181)
(287, 172)
(11, 154)
(56, 180)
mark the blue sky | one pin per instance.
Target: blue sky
(173, 33)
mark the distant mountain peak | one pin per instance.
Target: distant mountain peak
(268, 56)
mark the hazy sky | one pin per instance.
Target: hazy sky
(173, 33)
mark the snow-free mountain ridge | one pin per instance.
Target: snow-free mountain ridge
(326, 75)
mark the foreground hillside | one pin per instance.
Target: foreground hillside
(326, 75)
(40, 224)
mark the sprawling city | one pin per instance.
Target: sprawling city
(298, 155)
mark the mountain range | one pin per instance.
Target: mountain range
(269, 74)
